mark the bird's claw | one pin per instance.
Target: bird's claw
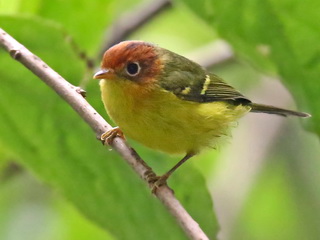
(155, 181)
(109, 136)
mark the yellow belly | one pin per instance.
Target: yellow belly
(164, 122)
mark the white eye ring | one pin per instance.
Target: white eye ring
(133, 69)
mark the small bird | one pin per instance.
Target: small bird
(168, 102)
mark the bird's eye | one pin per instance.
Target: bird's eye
(133, 69)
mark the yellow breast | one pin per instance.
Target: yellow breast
(160, 120)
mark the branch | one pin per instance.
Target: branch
(131, 21)
(72, 95)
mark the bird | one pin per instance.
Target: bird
(169, 103)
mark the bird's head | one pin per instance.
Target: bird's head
(136, 61)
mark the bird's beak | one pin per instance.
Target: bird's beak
(103, 74)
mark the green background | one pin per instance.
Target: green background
(58, 182)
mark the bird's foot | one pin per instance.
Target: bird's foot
(108, 136)
(156, 181)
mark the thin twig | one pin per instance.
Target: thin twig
(73, 97)
(131, 21)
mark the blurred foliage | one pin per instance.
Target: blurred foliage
(40, 132)
(25, 204)
(98, 182)
(277, 36)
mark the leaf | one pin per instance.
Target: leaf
(84, 20)
(277, 36)
(53, 142)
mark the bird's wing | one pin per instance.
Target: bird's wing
(202, 87)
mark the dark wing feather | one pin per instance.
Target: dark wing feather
(201, 87)
(218, 90)
(193, 83)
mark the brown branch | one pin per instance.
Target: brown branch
(131, 21)
(74, 98)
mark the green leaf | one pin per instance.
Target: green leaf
(25, 203)
(84, 20)
(277, 36)
(51, 140)
(18, 6)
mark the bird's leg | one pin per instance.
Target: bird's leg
(108, 136)
(158, 181)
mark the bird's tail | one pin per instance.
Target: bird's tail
(260, 108)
